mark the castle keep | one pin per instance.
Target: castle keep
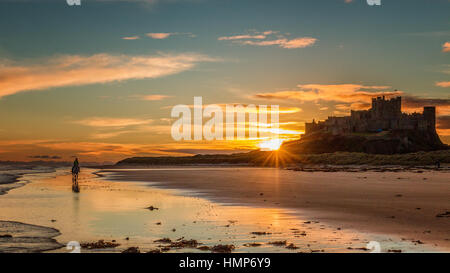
(385, 115)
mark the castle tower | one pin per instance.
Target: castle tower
(397, 106)
(429, 114)
(386, 109)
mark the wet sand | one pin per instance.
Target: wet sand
(116, 212)
(10, 176)
(203, 204)
(18, 237)
(404, 204)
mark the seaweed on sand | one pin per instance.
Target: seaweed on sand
(184, 243)
(252, 244)
(132, 249)
(260, 233)
(223, 248)
(278, 243)
(99, 244)
(164, 241)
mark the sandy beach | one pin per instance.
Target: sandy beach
(195, 209)
(11, 176)
(411, 205)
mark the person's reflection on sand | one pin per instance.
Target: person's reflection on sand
(76, 207)
(75, 186)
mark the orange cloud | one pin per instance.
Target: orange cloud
(268, 110)
(131, 38)
(443, 84)
(443, 122)
(443, 125)
(347, 93)
(356, 97)
(281, 41)
(72, 70)
(104, 135)
(416, 104)
(360, 105)
(255, 35)
(112, 122)
(284, 43)
(159, 36)
(241, 37)
(155, 97)
(446, 47)
(112, 132)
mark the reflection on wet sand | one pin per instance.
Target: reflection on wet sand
(75, 185)
(118, 212)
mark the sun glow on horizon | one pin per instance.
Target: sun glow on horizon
(271, 145)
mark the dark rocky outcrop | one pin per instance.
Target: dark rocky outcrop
(392, 142)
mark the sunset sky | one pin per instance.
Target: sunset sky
(98, 81)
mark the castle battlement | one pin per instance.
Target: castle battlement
(384, 115)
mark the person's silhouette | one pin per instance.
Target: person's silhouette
(75, 171)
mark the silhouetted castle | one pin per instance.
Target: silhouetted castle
(385, 115)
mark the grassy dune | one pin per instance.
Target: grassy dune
(345, 158)
(258, 158)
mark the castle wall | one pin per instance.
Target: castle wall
(383, 116)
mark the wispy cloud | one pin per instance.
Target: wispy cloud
(244, 108)
(443, 125)
(105, 135)
(270, 38)
(330, 92)
(131, 38)
(111, 122)
(446, 47)
(443, 84)
(159, 36)
(165, 35)
(242, 37)
(138, 129)
(154, 97)
(284, 43)
(108, 127)
(355, 96)
(416, 104)
(74, 70)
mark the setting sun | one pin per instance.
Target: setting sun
(271, 145)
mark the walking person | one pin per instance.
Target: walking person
(75, 171)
